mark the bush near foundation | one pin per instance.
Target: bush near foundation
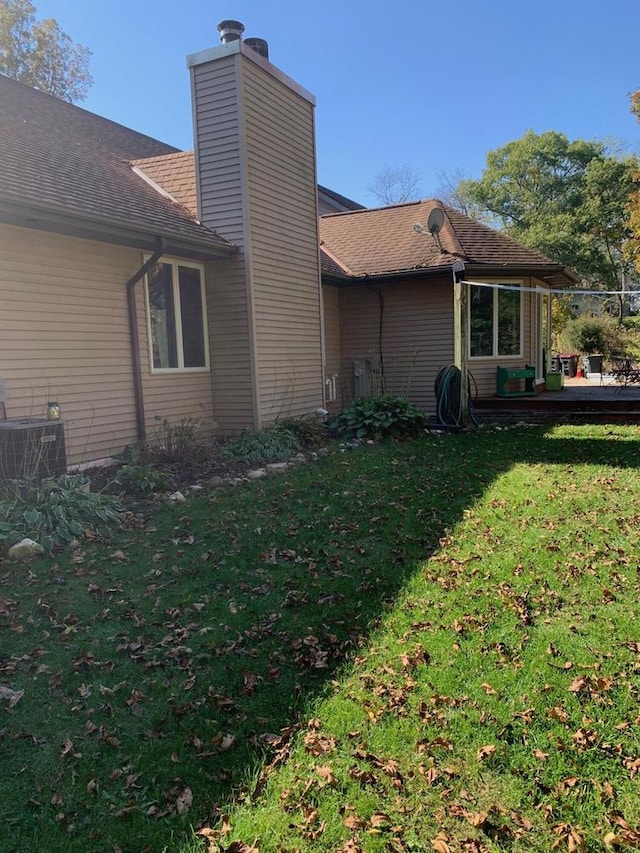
(379, 417)
(54, 511)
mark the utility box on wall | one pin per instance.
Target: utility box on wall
(32, 449)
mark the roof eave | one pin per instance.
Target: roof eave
(539, 271)
(392, 275)
(59, 220)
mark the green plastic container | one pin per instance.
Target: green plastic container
(554, 381)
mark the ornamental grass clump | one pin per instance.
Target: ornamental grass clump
(181, 444)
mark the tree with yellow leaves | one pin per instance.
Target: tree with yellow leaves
(633, 248)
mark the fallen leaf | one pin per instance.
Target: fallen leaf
(350, 846)
(315, 744)
(485, 752)
(184, 801)
(227, 742)
(380, 820)
(439, 843)
(17, 696)
(326, 774)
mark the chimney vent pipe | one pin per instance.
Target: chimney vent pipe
(230, 31)
(259, 45)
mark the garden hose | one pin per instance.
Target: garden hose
(449, 399)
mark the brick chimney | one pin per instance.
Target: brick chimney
(255, 161)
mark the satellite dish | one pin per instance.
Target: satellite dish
(435, 221)
(418, 228)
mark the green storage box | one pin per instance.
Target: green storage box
(554, 381)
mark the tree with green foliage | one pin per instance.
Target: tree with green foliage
(568, 199)
(41, 54)
(634, 200)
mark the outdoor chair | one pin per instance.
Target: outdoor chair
(624, 370)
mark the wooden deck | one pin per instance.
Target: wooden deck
(580, 399)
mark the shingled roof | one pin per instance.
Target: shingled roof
(175, 174)
(383, 242)
(60, 158)
(68, 162)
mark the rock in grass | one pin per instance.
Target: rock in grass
(177, 497)
(277, 467)
(257, 474)
(25, 549)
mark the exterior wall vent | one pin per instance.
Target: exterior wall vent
(230, 31)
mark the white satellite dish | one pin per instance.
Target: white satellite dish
(435, 221)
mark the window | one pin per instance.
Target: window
(177, 316)
(495, 321)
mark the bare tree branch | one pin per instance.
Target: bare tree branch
(396, 184)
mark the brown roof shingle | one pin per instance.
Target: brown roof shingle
(175, 174)
(59, 156)
(382, 241)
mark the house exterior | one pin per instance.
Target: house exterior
(138, 281)
(389, 300)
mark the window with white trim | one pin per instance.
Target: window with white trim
(176, 311)
(495, 321)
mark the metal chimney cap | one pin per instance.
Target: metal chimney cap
(259, 45)
(230, 31)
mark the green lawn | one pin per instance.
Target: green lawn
(422, 646)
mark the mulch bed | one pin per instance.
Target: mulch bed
(208, 472)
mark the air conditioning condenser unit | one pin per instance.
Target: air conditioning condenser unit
(32, 449)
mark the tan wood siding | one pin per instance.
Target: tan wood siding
(285, 276)
(332, 351)
(417, 335)
(218, 129)
(65, 337)
(63, 316)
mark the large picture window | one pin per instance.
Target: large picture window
(495, 321)
(177, 316)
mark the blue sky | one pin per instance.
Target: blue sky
(432, 83)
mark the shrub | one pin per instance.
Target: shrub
(590, 335)
(379, 417)
(140, 479)
(277, 441)
(265, 445)
(55, 511)
(306, 431)
(182, 443)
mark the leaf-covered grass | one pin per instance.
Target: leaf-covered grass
(422, 646)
